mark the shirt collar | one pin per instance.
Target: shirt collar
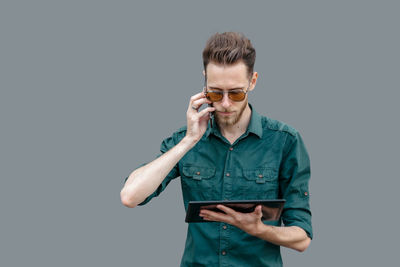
(255, 125)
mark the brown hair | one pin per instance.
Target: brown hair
(228, 48)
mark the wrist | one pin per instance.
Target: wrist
(189, 141)
(258, 229)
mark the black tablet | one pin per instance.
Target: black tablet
(271, 208)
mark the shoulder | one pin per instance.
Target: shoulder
(173, 139)
(284, 134)
(270, 124)
(180, 133)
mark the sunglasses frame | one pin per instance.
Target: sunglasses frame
(224, 92)
(229, 94)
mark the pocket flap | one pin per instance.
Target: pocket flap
(198, 173)
(260, 175)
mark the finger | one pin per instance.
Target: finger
(258, 211)
(215, 216)
(210, 213)
(227, 210)
(205, 111)
(195, 97)
(194, 103)
(199, 102)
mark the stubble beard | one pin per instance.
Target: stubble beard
(231, 120)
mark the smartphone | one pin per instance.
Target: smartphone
(211, 115)
(210, 105)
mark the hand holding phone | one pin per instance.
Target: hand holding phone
(197, 119)
(210, 105)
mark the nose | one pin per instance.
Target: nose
(226, 102)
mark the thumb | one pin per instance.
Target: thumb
(258, 211)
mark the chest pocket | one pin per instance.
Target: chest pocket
(198, 179)
(260, 183)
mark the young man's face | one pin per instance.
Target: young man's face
(226, 78)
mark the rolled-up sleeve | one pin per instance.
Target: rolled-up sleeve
(166, 145)
(294, 184)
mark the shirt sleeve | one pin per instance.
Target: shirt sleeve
(294, 179)
(166, 145)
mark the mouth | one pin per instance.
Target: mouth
(225, 113)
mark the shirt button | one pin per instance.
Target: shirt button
(223, 252)
(228, 174)
(231, 148)
(224, 227)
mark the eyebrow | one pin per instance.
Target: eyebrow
(216, 88)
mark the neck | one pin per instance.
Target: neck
(236, 130)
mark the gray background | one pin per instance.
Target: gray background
(90, 88)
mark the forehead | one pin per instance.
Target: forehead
(227, 76)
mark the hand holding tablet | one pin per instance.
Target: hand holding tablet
(271, 208)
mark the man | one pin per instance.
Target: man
(236, 154)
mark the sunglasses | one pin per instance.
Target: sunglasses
(234, 95)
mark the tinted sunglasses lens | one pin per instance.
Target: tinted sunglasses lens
(214, 96)
(237, 96)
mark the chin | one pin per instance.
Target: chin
(234, 118)
(227, 121)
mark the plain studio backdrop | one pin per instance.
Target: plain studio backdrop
(90, 88)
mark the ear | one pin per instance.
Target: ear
(204, 73)
(253, 81)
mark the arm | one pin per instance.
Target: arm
(144, 181)
(292, 237)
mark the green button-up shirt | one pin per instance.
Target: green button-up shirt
(268, 161)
